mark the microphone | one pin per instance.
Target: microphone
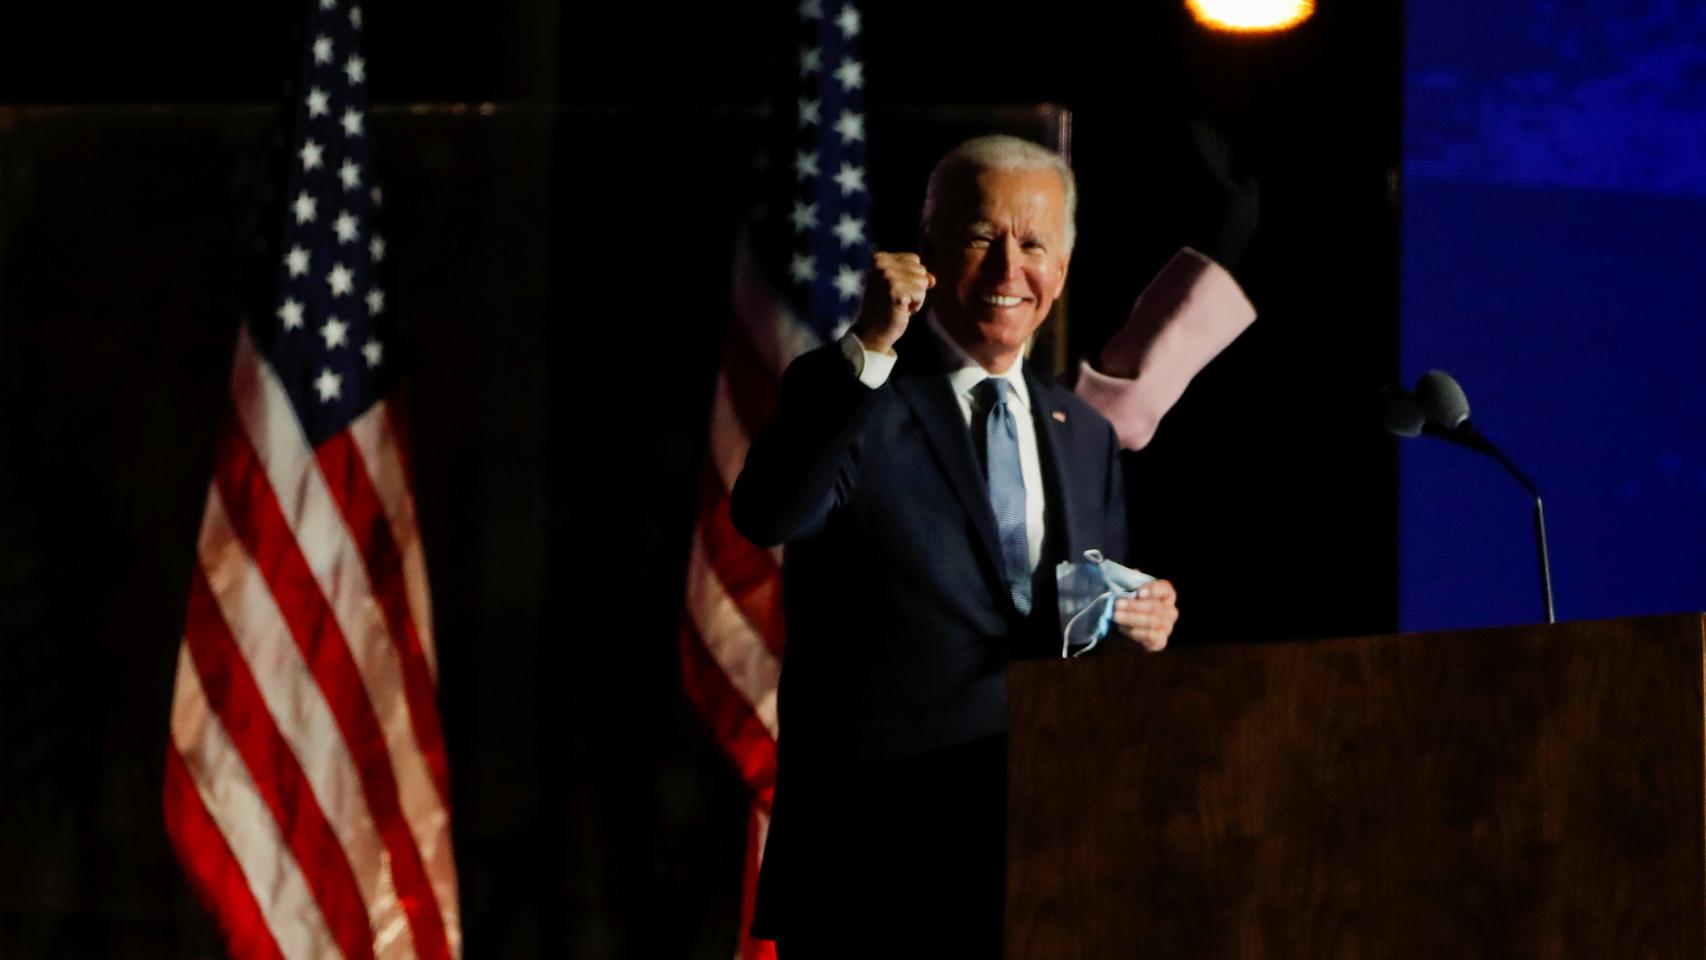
(1440, 408)
(1400, 414)
(1443, 399)
(1446, 407)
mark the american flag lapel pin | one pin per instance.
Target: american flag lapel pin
(1060, 416)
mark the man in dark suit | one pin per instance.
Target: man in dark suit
(925, 485)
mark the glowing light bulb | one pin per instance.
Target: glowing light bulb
(1250, 16)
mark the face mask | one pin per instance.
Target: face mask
(1088, 589)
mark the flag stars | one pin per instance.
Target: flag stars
(335, 332)
(848, 282)
(304, 208)
(328, 385)
(802, 269)
(374, 351)
(851, 126)
(805, 164)
(352, 122)
(851, 75)
(811, 9)
(355, 17)
(290, 313)
(356, 69)
(296, 261)
(377, 197)
(850, 179)
(318, 103)
(375, 302)
(328, 4)
(340, 279)
(848, 21)
(345, 227)
(322, 49)
(850, 230)
(376, 249)
(312, 155)
(350, 175)
(811, 60)
(804, 216)
(809, 112)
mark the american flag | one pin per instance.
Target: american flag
(306, 789)
(798, 275)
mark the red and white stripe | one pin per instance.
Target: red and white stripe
(307, 791)
(731, 635)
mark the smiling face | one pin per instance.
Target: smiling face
(997, 246)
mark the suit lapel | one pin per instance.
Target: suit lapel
(1056, 443)
(932, 400)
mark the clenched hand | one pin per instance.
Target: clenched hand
(894, 290)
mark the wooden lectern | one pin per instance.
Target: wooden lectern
(1524, 792)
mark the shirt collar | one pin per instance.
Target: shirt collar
(965, 373)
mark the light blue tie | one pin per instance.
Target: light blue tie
(1006, 487)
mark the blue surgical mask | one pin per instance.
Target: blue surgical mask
(1088, 589)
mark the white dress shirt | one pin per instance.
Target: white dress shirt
(965, 374)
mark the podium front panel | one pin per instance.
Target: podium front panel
(1525, 792)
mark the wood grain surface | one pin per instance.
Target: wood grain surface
(1524, 792)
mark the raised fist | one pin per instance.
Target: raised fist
(894, 291)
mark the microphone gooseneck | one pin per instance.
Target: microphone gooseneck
(1440, 408)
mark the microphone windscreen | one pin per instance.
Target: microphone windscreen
(1400, 414)
(1442, 399)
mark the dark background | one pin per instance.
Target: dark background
(562, 186)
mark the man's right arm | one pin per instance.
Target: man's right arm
(802, 466)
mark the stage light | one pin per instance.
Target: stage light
(1250, 16)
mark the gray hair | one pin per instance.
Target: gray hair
(1001, 152)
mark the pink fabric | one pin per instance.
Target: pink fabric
(1182, 320)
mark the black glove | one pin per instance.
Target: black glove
(1232, 205)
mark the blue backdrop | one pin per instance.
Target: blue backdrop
(1554, 255)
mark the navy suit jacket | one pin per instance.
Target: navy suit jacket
(899, 624)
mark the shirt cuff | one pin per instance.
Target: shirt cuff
(872, 368)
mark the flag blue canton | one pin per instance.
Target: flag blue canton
(827, 213)
(326, 334)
